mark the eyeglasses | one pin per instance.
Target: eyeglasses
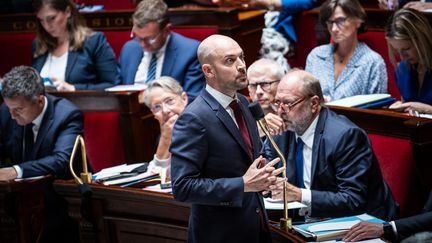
(340, 22)
(147, 40)
(168, 102)
(265, 85)
(286, 107)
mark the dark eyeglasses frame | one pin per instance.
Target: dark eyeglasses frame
(265, 85)
(340, 22)
(287, 107)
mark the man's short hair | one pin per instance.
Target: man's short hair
(151, 11)
(275, 68)
(22, 81)
(310, 84)
(166, 83)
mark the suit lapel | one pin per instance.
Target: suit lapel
(17, 142)
(39, 62)
(135, 60)
(226, 120)
(72, 57)
(317, 141)
(170, 58)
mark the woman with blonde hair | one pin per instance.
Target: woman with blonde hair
(69, 54)
(408, 35)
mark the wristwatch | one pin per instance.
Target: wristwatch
(388, 231)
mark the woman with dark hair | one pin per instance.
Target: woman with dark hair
(68, 53)
(408, 34)
(346, 67)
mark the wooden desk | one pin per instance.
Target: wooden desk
(21, 210)
(133, 215)
(127, 214)
(138, 127)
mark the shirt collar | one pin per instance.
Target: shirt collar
(308, 135)
(161, 50)
(38, 120)
(220, 97)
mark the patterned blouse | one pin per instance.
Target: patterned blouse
(365, 73)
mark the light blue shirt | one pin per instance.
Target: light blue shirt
(365, 73)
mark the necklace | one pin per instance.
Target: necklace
(339, 58)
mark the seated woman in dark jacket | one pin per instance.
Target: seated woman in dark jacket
(68, 53)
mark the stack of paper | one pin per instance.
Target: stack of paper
(334, 228)
(125, 175)
(360, 100)
(127, 87)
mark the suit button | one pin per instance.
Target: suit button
(257, 210)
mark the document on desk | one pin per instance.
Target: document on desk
(127, 87)
(377, 240)
(334, 228)
(278, 204)
(358, 100)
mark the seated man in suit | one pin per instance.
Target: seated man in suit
(215, 154)
(416, 228)
(166, 100)
(37, 135)
(156, 51)
(264, 76)
(330, 163)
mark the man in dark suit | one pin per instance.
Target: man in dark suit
(156, 51)
(330, 163)
(416, 228)
(215, 153)
(36, 138)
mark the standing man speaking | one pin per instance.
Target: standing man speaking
(215, 163)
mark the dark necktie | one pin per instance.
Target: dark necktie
(151, 72)
(241, 124)
(28, 142)
(299, 163)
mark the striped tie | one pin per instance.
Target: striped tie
(151, 72)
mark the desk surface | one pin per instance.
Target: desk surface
(135, 215)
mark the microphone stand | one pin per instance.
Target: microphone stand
(285, 222)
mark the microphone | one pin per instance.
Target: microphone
(258, 114)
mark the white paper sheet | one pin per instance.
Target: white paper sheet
(278, 204)
(333, 226)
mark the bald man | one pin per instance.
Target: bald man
(215, 153)
(330, 165)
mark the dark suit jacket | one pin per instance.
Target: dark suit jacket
(418, 223)
(94, 67)
(60, 125)
(209, 158)
(346, 178)
(180, 63)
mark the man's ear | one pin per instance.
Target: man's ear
(208, 70)
(315, 103)
(184, 97)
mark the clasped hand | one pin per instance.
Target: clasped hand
(263, 177)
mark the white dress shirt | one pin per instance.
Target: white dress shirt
(55, 67)
(141, 74)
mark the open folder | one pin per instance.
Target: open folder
(334, 228)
